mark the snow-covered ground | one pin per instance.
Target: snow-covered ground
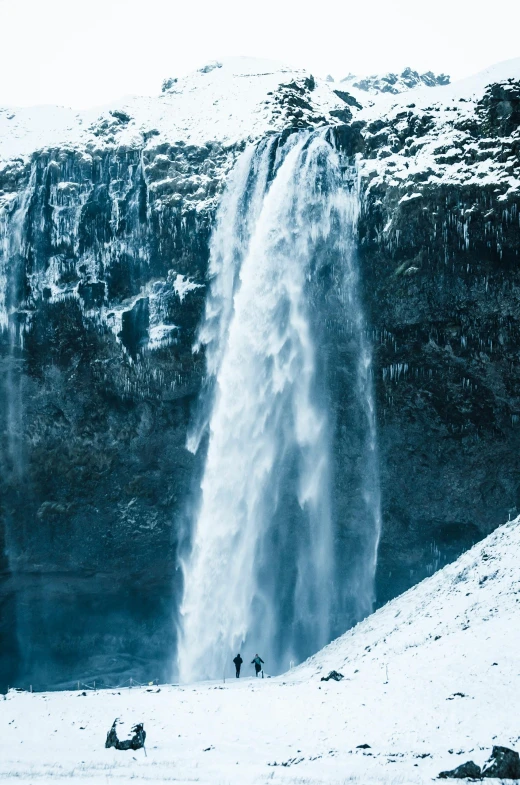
(430, 681)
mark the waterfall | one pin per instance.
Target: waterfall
(236, 218)
(263, 571)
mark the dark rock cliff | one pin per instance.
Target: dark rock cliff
(440, 265)
(98, 379)
(105, 255)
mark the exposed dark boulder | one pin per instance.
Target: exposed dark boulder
(465, 771)
(343, 115)
(503, 764)
(334, 675)
(348, 98)
(136, 742)
(123, 117)
(168, 83)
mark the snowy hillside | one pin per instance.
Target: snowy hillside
(430, 680)
(471, 602)
(228, 101)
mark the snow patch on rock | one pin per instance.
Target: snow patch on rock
(183, 284)
(438, 135)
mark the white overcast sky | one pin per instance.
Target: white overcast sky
(87, 52)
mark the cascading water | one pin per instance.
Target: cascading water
(263, 572)
(12, 251)
(238, 212)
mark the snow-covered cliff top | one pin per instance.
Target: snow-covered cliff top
(454, 134)
(423, 134)
(228, 101)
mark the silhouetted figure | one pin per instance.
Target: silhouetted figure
(238, 664)
(257, 661)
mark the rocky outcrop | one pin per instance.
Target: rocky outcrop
(136, 742)
(396, 83)
(503, 764)
(465, 771)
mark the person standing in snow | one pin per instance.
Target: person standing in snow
(257, 661)
(238, 663)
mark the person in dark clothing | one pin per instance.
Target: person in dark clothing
(257, 662)
(238, 663)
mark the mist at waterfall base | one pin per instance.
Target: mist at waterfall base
(282, 560)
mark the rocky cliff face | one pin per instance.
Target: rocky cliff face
(105, 229)
(98, 378)
(440, 240)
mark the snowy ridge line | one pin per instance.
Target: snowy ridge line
(239, 99)
(394, 83)
(226, 102)
(469, 89)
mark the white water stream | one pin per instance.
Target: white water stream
(262, 573)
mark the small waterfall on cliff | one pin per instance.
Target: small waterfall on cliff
(13, 248)
(263, 573)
